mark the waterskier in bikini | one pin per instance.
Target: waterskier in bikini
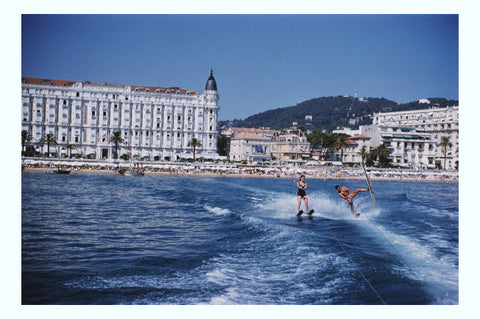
(348, 195)
(301, 194)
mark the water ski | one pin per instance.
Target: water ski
(309, 213)
(357, 214)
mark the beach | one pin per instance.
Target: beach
(240, 170)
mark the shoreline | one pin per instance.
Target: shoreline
(320, 174)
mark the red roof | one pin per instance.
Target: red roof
(136, 88)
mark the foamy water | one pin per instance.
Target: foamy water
(178, 240)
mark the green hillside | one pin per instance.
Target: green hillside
(330, 112)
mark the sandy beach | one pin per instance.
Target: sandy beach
(248, 171)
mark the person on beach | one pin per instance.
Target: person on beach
(301, 194)
(348, 195)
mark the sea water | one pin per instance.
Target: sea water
(112, 239)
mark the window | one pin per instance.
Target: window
(104, 113)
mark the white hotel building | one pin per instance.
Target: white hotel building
(156, 123)
(436, 121)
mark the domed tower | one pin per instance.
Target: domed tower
(211, 83)
(208, 133)
(211, 92)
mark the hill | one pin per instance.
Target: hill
(330, 112)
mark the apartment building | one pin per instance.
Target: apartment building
(409, 147)
(437, 121)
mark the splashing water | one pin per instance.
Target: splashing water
(178, 240)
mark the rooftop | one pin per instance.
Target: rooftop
(249, 136)
(135, 88)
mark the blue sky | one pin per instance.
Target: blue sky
(260, 61)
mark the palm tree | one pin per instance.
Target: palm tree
(49, 139)
(194, 143)
(116, 138)
(445, 142)
(363, 153)
(340, 144)
(70, 147)
(25, 138)
(382, 152)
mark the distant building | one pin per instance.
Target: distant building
(438, 122)
(239, 152)
(352, 153)
(345, 130)
(156, 123)
(249, 147)
(308, 120)
(290, 145)
(409, 147)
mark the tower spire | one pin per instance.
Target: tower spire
(211, 83)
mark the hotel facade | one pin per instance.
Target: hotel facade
(437, 121)
(155, 123)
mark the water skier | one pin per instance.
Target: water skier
(348, 195)
(301, 194)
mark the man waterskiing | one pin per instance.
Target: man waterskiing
(348, 195)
